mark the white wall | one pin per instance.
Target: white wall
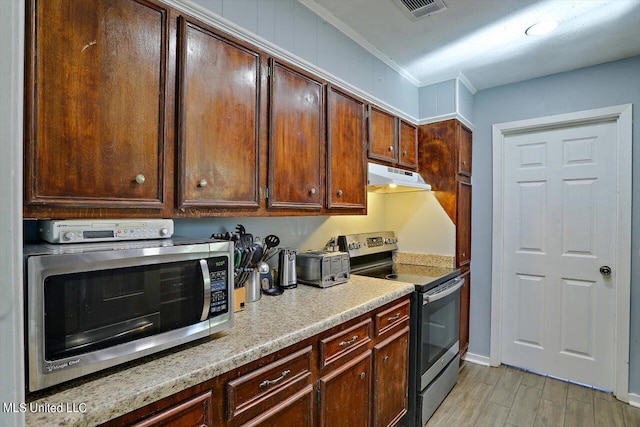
(11, 349)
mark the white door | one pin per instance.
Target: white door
(560, 213)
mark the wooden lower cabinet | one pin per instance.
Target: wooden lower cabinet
(391, 373)
(345, 394)
(306, 384)
(296, 411)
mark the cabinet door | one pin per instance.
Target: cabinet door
(465, 298)
(408, 145)
(217, 120)
(391, 367)
(346, 160)
(383, 135)
(463, 224)
(464, 151)
(345, 394)
(296, 411)
(296, 140)
(95, 136)
(193, 412)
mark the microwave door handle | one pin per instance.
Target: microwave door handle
(136, 330)
(206, 280)
(431, 298)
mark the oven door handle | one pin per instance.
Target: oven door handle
(206, 279)
(455, 285)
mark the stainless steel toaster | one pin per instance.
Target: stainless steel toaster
(322, 268)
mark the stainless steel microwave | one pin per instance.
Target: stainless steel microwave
(93, 306)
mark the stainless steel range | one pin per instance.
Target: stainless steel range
(435, 310)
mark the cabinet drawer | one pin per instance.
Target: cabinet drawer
(392, 317)
(194, 412)
(344, 342)
(287, 375)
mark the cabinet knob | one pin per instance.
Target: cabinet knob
(391, 148)
(140, 179)
(464, 254)
(386, 359)
(312, 191)
(404, 153)
(203, 183)
(340, 193)
(362, 375)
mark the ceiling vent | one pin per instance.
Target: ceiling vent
(415, 9)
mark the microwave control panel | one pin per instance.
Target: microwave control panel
(219, 275)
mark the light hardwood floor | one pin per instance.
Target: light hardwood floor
(506, 396)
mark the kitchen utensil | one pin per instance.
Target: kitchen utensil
(287, 269)
(266, 280)
(252, 286)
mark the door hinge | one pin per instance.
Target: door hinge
(266, 193)
(318, 394)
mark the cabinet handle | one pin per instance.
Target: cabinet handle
(404, 153)
(464, 162)
(386, 359)
(350, 341)
(463, 255)
(203, 183)
(362, 375)
(140, 179)
(265, 383)
(391, 148)
(392, 318)
(340, 193)
(312, 191)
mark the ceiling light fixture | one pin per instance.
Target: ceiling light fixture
(540, 28)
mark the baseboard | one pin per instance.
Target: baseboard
(634, 400)
(478, 359)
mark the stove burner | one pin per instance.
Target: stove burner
(392, 276)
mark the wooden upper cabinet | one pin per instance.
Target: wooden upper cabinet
(218, 107)
(383, 135)
(464, 151)
(296, 139)
(463, 224)
(408, 145)
(94, 134)
(346, 160)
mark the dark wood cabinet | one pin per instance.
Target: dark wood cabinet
(296, 411)
(383, 135)
(391, 376)
(444, 160)
(354, 374)
(465, 295)
(346, 158)
(463, 224)
(195, 412)
(408, 145)
(296, 139)
(345, 394)
(218, 116)
(94, 136)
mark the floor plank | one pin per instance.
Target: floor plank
(578, 414)
(525, 405)
(549, 414)
(507, 387)
(555, 391)
(580, 393)
(608, 413)
(533, 380)
(493, 415)
(631, 416)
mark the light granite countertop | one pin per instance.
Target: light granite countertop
(265, 326)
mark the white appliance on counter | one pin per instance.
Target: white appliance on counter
(104, 230)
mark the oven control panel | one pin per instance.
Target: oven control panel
(368, 243)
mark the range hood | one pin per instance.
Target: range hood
(387, 179)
